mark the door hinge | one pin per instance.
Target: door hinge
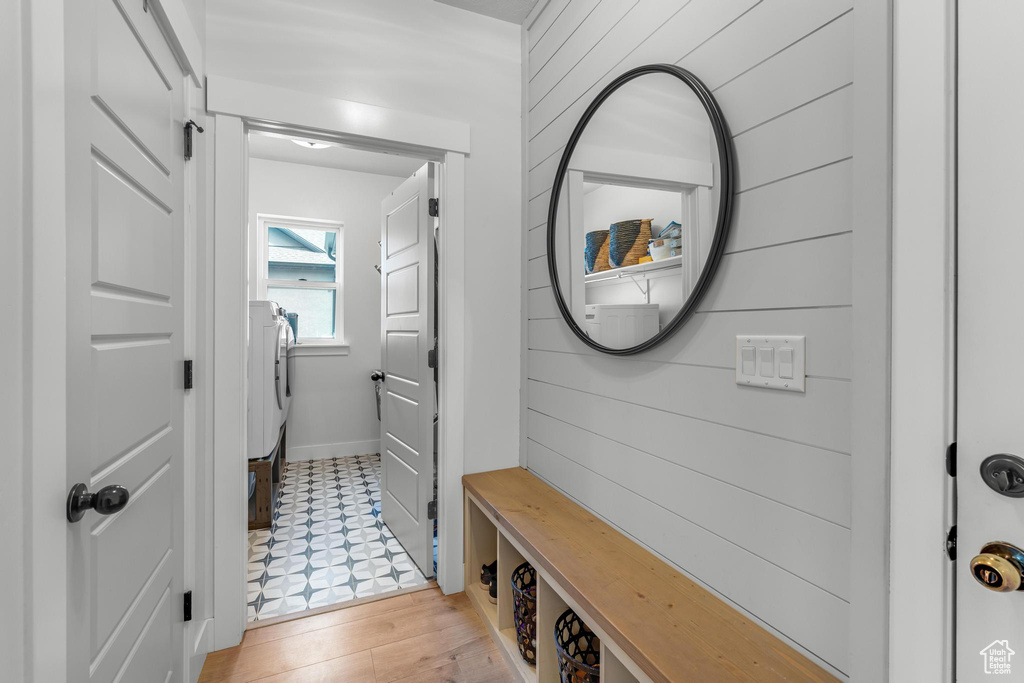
(434, 207)
(432, 358)
(432, 510)
(186, 605)
(188, 137)
(188, 374)
(951, 459)
(951, 543)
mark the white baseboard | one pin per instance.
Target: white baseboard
(333, 450)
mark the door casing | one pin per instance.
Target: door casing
(238, 107)
(923, 339)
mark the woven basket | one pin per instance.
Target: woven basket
(579, 650)
(524, 610)
(628, 242)
(596, 252)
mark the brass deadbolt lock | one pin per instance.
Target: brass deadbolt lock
(999, 567)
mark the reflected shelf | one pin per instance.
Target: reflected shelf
(640, 269)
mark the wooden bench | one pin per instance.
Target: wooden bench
(654, 623)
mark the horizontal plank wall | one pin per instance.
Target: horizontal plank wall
(664, 445)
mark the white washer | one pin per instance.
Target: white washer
(270, 339)
(621, 326)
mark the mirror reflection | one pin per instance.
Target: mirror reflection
(637, 211)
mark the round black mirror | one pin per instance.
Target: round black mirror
(640, 209)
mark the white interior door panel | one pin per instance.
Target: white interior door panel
(125, 288)
(407, 407)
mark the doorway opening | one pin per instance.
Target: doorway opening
(343, 386)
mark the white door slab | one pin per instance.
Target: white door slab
(407, 334)
(990, 325)
(125, 288)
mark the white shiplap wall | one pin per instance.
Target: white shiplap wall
(746, 490)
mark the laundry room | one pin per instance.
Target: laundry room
(317, 535)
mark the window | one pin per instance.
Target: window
(300, 270)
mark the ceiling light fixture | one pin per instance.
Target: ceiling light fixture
(309, 144)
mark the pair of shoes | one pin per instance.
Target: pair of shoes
(489, 580)
(486, 572)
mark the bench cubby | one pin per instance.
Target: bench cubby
(655, 624)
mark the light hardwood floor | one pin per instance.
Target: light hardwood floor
(422, 636)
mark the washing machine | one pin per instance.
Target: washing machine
(270, 341)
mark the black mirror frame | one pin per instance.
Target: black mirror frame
(727, 165)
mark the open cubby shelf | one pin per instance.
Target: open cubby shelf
(655, 624)
(485, 542)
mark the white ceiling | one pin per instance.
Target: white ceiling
(514, 11)
(277, 148)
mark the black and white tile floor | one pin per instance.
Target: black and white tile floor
(328, 543)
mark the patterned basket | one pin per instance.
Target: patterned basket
(524, 610)
(628, 242)
(579, 650)
(596, 252)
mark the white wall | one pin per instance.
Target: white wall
(429, 58)
(747, 490)
(196, 10)
(333, 409)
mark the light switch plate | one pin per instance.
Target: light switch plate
(770, 377)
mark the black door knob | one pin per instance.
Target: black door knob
(377, 375)
(106, 501)
(1004, 474)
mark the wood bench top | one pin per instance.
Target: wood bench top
(671, 627)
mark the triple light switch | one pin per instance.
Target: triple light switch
(770, 362)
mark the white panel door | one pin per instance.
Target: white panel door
(990, 327)
(407, 334)
(125, 276)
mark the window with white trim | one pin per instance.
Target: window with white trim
(300, 270)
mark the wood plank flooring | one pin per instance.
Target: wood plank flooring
(415, 637)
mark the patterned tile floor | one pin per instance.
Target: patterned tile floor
(328, 543)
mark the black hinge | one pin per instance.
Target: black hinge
(188, 374)
(951, 459)
(432, 510)
(432, 358)
(951, 543)
(433, 207)
(188, 137)
(186, 605)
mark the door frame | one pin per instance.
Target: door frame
(35, 521)
(237, 107)
(922, 497)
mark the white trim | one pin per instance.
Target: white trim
(264, 107)
(315, 348)
(181, 35)
(190, 536)
(263, 282)
(333, 450)
(359, 123)
(44, 337)
(923, 339)
(524, 258)
(452, 351)
(871, 343)
(229, 380)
